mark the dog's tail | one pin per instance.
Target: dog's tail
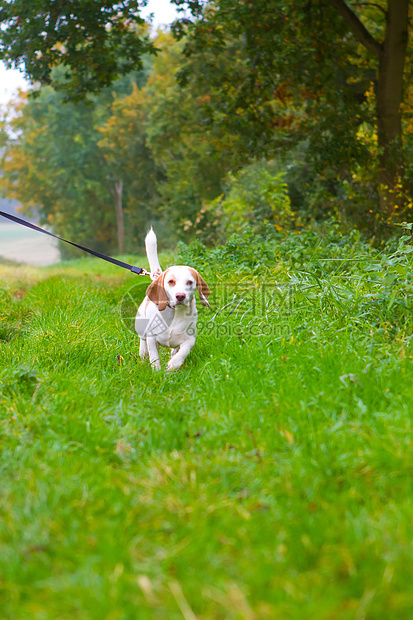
(152, 254)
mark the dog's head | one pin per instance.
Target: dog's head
(176, 287)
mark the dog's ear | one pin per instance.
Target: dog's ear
(156, 292)
(202, 287)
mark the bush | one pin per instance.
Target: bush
(255, 197)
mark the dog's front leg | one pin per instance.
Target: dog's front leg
(143, 349)
(153, 350)
(179, 357)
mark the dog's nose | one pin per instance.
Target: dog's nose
(180, 297)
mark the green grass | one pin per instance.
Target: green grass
(270, 478)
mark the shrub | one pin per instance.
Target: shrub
(255, 197)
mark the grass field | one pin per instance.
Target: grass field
(270, 478)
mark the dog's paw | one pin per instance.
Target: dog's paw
(143, 354)
(173, 365)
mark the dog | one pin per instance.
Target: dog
(167, 316)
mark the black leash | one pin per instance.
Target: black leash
(109, 259)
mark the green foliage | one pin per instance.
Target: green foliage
(123, 143)
(298, 78)
(52, 161)
(242, 253)
(186, 140)
(95, 42)
(255, 198)
(259, 254)
(285, 82)
(269, 478)
(307, 71)
(64, 159)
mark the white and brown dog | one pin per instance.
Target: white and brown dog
(167, 316)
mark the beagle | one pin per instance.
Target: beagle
(167, 316)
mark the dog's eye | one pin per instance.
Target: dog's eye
(171, 282)
(190, 283)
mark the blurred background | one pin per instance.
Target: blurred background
(203, 119)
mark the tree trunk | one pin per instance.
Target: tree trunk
(389, 97)
(391, 55)
(119, 214)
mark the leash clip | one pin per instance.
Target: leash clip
(140, 271)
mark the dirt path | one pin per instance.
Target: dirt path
(26, 246)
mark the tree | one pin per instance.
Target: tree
(315, 57)
(95, 41)
(79, 48)
(86, 168)
(185, 136)
(133, 173)
(51, 163)
(389, 51)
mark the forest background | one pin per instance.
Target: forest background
(265, 116)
